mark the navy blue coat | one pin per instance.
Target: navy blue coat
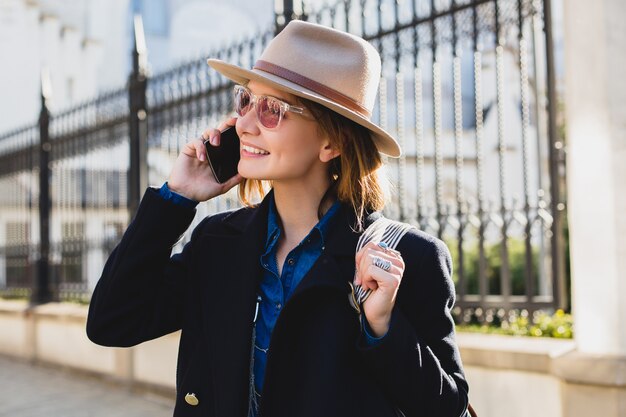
(318, 364)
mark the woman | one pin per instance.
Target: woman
(281, 270)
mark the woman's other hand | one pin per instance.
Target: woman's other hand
(384, 284)
(191, 176)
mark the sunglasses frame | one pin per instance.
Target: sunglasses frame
(254, 99)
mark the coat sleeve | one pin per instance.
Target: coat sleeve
(418, 362)
(141, 292)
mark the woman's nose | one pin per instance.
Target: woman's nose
(248, 123)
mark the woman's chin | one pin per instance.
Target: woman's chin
(252, 174)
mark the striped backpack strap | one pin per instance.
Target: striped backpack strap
(382, 230)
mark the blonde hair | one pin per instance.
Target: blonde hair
(354, 173)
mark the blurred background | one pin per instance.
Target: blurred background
(508, 112)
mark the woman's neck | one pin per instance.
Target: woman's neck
(297, 208)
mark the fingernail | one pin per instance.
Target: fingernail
(212, 140)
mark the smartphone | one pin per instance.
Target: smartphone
(224, 159)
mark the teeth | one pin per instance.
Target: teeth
(254, 150)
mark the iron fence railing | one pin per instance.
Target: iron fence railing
(467, 88)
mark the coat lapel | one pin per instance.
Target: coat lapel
(335, 266)
(232, 259)
(229, 291)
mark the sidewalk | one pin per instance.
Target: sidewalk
(37, 391)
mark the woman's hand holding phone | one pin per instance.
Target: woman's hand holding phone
(191, 175)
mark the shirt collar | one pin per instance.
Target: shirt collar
(273, 227)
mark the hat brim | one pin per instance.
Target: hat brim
(385, 143)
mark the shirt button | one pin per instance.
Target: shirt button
(291, 261)
(279, 306)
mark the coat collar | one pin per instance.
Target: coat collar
(342, 236)
(334, 267)
(248, 227)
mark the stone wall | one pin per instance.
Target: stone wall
(511, 376)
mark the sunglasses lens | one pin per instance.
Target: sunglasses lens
(242, 101)
(269, 111)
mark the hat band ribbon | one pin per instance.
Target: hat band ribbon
(314, 86)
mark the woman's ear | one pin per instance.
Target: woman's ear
(328, 152)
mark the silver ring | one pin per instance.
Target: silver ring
(381, 263)
(385, 247)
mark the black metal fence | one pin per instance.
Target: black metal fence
(467, 88)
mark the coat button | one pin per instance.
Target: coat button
(291, 261)
(191, 399)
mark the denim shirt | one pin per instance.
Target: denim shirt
(276, 289)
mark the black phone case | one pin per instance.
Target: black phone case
(224, 159)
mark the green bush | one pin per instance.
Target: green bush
(558, 325)
(516, 250)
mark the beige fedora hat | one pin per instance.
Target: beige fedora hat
(335, 69)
